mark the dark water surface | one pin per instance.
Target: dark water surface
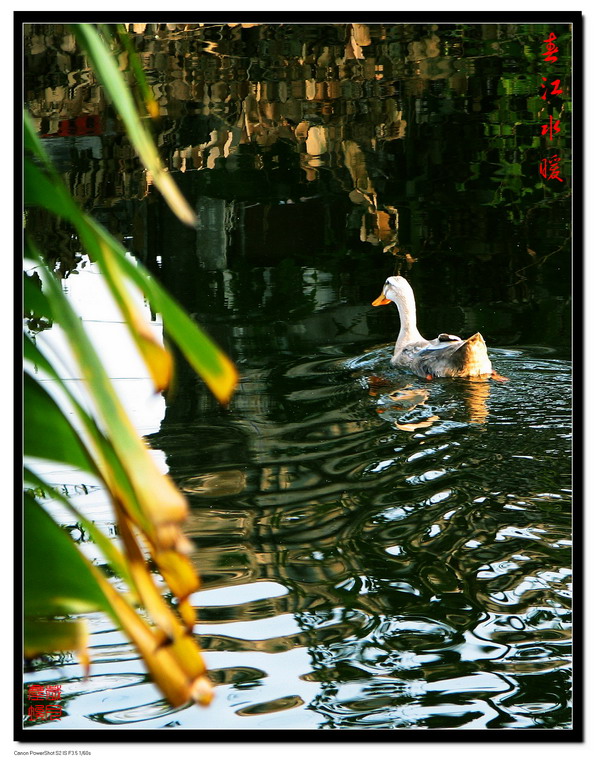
(376, 550)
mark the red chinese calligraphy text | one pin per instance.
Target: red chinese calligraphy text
(53, 711)
(551, 48)
(549, 168)
(42, 692)
(36, 712)
(551, 128)
(555, 91)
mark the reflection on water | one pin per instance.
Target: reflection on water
(420, 141)
(356, 572)
(376, 550)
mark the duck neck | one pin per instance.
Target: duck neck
(407, 314)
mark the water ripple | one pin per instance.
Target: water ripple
(357, 574)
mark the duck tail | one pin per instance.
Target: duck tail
(471, 356)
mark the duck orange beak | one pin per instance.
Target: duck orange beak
(381, 300)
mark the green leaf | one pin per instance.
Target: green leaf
(32, 353)
(136, 66)
(57, 579)
(54, 636)
(158, 360)
(41, 191)
(35, 302)
(159, 503)
(113, 473)
(109, 550)
(111, 78)
(31, 139)
(202, 353)
(48, 433)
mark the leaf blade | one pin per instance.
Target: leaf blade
(48, 433)
(56, 580)
(113, 82)
(159, 502)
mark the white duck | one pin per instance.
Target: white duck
(446, 355)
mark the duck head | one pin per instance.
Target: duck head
(396, 290)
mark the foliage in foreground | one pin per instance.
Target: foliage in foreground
(90, 430)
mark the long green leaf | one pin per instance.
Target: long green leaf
(42, 191)
(48, 433)
(113, 82)
(151, 502)
(159, 502)
(112, 471)
(156, 357)
(111, 553)
(57, 581)
(201, 352)
(135, 65)
(34, 301)
(32, 353)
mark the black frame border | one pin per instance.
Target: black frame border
(343, 736)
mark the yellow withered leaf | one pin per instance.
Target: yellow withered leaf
(156, 357)
(181, 578)
(223, 380)
(175, 663)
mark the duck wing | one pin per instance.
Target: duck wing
(453, 358)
